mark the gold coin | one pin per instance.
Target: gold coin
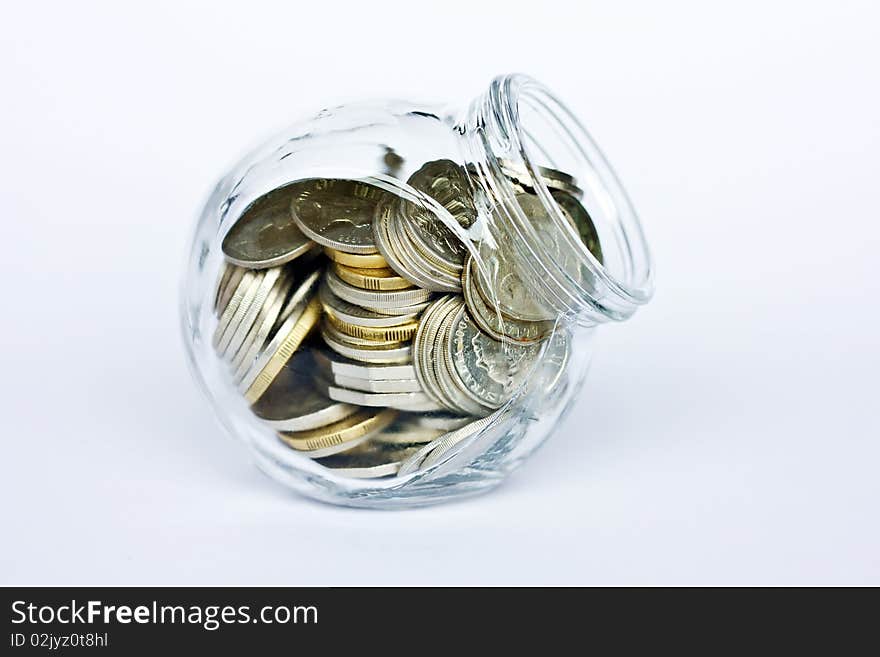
(285, 351)
(400, 333)
(394, 354)
(359, 425)
(371, 279)
(328, 329)
(371, 261)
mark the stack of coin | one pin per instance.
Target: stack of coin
(329, 319)
(423, 241)
(463, 366)
(369, 335)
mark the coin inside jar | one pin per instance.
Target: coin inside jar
(372, 279)
(336, 365)
(265, 235)
(425, 228)
(442, 445)
(505, 329)
(403, 256)
(347, 351)
(341, 435)
(281, 341)
(579, 217)
(374, 461)
(489, 371)
(360, 261)
(552, 178)
(407, 430)
(397, 333)
(342, 310)
(392, 354)
(285, 350)
(337, 213)
(293, 403)
(375, 298)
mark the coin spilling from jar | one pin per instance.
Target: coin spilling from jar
(376, 330)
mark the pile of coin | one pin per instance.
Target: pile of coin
(362, 325)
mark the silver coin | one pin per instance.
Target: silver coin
(425, 269)
(294, 403)
(579, 218)
(500, 285)
(447, 183)
(430, 349)
(425, 343)
(443, 420)
(263, 324)
(500, 281)
(247, 279)
(229, 288)
(296, 305)
(397, 355)
(401, 400)
(369, 461)
(299, 294)
(444, 444)
(552, 178)
(337, 365)
(267, 284)
(407, 430)
(421, 266)
(225, 274)
(433, 234)
(459, 398)
(337, 213)
(385, 299)
(418, 406)
(293, 305)
(556, 244)
(405, 232)
(552, 363)
(442, 180)
(397, 311)
(265, 234)
(377, 385)
(388, 246)
(488, 371)
(250, 291)
(358, 315)
(492, 321)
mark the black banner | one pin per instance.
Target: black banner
(134, 621)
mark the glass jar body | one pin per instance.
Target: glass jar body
(528, 380)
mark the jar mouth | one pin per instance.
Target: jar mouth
(537, 131)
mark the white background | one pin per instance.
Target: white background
(728, 434)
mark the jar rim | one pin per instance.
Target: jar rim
(634, 285)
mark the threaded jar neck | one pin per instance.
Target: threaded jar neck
(517, 124)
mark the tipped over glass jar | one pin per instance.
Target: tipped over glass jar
(392, 304)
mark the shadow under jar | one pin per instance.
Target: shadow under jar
(392, 304)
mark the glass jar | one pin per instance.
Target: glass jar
(501, 236)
